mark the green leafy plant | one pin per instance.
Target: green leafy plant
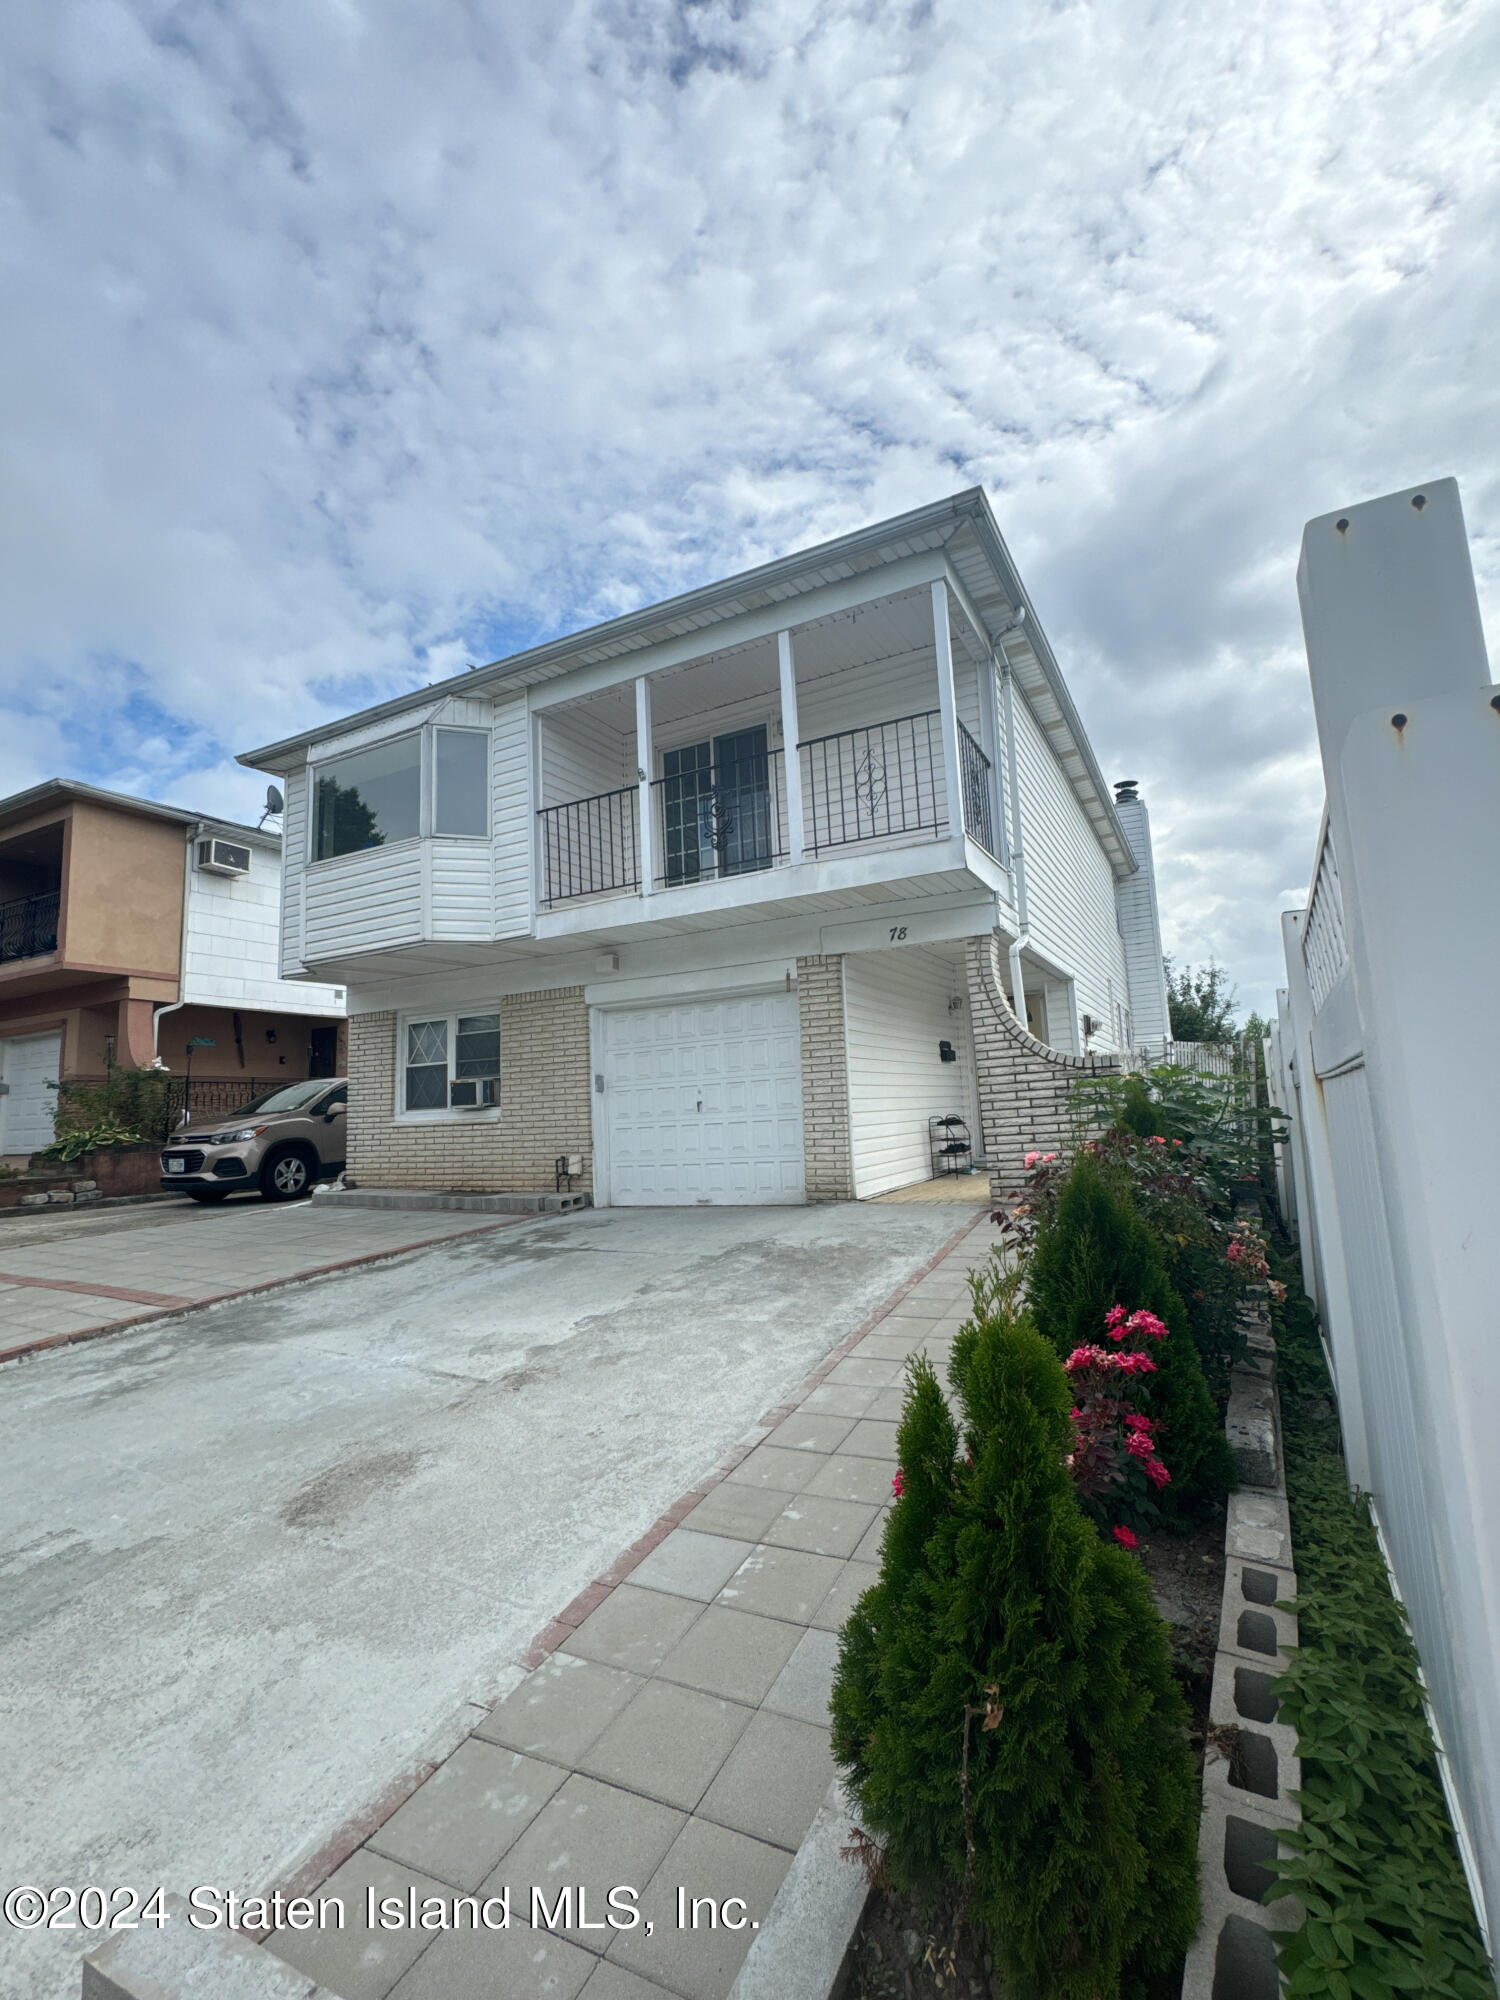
(1094, 1253)
(81, 1139)
(1376, 1866)
(144, 1100)
(1005, 1704)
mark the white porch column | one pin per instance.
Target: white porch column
(791, 762)
(644, 764)
(947, 708)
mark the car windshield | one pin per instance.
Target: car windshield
(290, 1097)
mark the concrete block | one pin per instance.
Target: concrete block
(84, 1187)
(1259, 1528)
(800, 1947)
(32, 1201)
(1251, 1628)
(1250, 1426)
(60, 1198)
(180, 1963)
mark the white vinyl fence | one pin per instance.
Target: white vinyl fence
(1383, 1054)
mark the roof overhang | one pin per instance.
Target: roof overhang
(962, 527)
(69, 791)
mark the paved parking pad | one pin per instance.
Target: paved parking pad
(685, 1717)
(270, 1564)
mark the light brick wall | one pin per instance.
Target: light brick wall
(825, 1079)
(1023, 1085)
(546, 1106)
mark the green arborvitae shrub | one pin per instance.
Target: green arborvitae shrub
(1093, 1252)
(1003, 1623)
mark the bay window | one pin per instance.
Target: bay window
(430, 781)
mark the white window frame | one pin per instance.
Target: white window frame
(446, 1114)
(429, 782)
(426, 797)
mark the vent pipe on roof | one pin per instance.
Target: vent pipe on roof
(1126, 793)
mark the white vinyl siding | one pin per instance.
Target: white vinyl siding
(1140, 931)
(461, 893)
(878, 692)
(1070, 885)
(229, 946)
(896, 1012)
(293, 868)
(510, 818)
(581, 756)
(364, 902)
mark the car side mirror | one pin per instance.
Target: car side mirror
(333, 1111)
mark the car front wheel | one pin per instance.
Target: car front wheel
(285, 1177)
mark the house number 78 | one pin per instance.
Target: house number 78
(898, 932)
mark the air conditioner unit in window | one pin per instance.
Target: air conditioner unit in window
(470, 1093)
(223, 857)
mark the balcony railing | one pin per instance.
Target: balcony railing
(727, 815)
(28, 928)
(874, 782)
(591, 847)
(719, 820)
(974, 778)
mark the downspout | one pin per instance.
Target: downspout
(156, 1019)
(1017, 845)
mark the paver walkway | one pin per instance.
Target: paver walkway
(64, 1281)
(672, 1732)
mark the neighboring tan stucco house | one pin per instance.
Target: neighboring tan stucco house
(128, 929)
(712, 895)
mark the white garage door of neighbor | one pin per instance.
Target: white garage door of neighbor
(28, 1063)
(704, 1102)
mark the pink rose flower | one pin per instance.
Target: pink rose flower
(1124, 1537)
(898, 1484)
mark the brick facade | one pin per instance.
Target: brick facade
(829, 1167)
(546, 1107)
(1023, 1084)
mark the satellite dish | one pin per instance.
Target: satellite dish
(275, 803)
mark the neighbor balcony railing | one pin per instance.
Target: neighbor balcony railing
(28, 928)
(978, 792)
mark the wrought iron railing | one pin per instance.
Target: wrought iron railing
(591, 847)
(28, 928)
(978, 792)
(873, 782)
(719, 821)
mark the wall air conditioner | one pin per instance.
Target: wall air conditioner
(223, 857)
(470, 1093)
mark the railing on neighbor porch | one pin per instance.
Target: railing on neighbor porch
(974, 780)
(721, 820)
(873, 782)
(28, 928)
(591, 847)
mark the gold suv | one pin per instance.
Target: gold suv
(281, 1143)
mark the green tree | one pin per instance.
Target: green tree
(1004, 1703)
(1200, 1004)
(1094, 1252)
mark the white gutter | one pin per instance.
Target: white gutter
(187, 880)
(1017, 844)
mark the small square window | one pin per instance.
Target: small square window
(461, 760)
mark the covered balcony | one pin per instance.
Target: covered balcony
(30, 894)
(817, 743)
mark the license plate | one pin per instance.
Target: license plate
(176, 1166)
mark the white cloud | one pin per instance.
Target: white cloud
(348, 342)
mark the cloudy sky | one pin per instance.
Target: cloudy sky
(345, 342)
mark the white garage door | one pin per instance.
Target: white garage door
(703, 1102)
(28, 1063)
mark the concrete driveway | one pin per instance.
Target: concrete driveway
(259, 1561)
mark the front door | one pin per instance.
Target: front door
(717, 807)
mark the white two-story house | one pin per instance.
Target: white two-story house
(688, 895)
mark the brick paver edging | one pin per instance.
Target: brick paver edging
(44, 1341)
(356, 1831)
